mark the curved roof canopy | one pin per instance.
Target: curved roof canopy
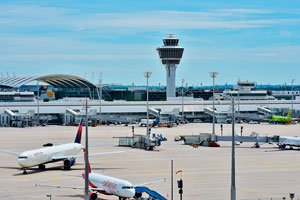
(56, 80)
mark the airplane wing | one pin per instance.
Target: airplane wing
(81, 156)
(149, 183)
(70, 187)
(10, 152)
(59, 186)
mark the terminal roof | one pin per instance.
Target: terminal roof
(56, 80)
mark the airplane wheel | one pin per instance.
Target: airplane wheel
(67, 168)
(24, 171)
(138, 195)
(42, 166)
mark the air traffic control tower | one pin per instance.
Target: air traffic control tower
(170, 54)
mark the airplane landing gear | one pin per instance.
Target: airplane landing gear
(24, 171)
(42, 166)
(67, 167)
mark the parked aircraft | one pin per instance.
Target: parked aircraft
(284, 141)
(281, 119)
(107, 185)
(64, 152)
(151, 122)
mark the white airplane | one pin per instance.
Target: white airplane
(288, 141)
(107, 185)
(64, 152)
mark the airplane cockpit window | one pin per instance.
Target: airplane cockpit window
(127, 187)
(23, 157)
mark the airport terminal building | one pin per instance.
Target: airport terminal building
(62, 100)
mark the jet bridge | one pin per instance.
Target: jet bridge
(264, 111)
(220, 116)
(204, 139)
(255, 139)
(151, 193)
(153, 111)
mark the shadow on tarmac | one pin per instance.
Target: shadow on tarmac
(79, 196)
(56, 168)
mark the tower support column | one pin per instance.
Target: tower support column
(171, 76)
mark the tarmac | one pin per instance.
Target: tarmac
(262, 173)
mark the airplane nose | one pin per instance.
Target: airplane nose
(21, 162)
(132, 193)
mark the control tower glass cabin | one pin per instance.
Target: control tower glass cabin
(170, 54)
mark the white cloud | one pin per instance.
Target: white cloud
(34, 16)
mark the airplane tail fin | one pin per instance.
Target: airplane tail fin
(289, 115)
(78, 135)
(157, 119)
(89, 167)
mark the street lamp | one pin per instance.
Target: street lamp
(86, 152)
(233, 189)
(182, 111)
(147, 75)
(213, 75)
(172, 172)
(293, 80)
(38, 102)
(100, 97)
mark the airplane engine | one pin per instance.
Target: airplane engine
(69, 162)
(93, 195)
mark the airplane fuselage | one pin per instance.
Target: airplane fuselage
(281, 119)
(48, 154)
(111, 185)
(289, 141)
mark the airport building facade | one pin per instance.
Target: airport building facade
(62, 100)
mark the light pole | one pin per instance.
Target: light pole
(238, 97)
(233, 189)
(86, 152)
(213, 75)
(182, 110)
(172, 172)
(147, 75)
(293, 80)
(38, 102)
(100, 97)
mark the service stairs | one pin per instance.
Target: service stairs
(151, 193)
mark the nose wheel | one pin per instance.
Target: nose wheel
(24, 171)
(42, 167)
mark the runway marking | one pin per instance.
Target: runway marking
(283, 169)
(150, 174)
(270, 164)
(21, 179)
(55, 178)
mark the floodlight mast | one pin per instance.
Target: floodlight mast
(147, 75)
(213, 75)
(86, 152)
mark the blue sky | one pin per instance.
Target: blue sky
(249, 40)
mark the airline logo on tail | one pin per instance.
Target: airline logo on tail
(289, 114)
(157, 119)
(78, 136)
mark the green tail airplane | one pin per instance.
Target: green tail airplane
(282, 119)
